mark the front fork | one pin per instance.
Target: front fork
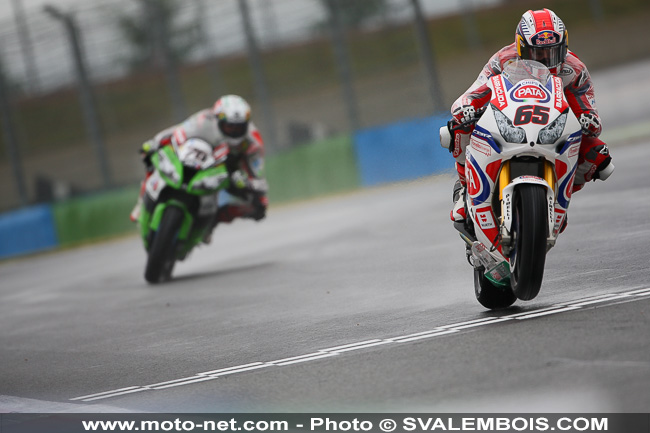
(506, 195)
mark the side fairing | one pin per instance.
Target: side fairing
(168, 166)
(154, 185)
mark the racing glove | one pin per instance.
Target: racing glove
(464, 114)
(590, 124)
(243, 186)
(146, 150)
(238, 180)
(260, 203)
(241, 181)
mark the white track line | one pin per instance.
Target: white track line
(311, 358)
(632, 295)
(548, 312)
(229, 369)
(426, 335)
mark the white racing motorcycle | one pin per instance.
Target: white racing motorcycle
(520, 166)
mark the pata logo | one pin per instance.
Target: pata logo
(530, 92)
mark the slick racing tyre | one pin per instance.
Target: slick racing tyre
(530, 230)
(162, 254)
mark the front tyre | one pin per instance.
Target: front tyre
(162, 254)
(489, 295)
(530, 231)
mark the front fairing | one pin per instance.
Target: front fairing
(189, 178)
(489, 150)
(183, 169)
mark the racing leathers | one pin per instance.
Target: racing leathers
(579, 91)
(246, 195)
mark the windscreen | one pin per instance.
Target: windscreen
(519, 70)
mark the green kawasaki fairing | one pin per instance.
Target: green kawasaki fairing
(183, 190)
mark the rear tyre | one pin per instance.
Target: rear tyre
(491, 296)
(162, 254)
(530, 231)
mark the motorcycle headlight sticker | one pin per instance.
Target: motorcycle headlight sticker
(511, 133)
(167, 168)
(551, 133)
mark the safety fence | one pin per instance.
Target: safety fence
(400, 151)
(319, 76)
(83, 85)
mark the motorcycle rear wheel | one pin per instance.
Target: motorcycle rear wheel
(489, 295)
(162, 254)
(530, 231)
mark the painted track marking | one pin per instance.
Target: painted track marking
(603, 300)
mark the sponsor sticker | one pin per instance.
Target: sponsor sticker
(531, 178)
(545, 38)
(154, 185)
(473, 187)
(559, 94)
(507, 206)
(220, 152)
(485, 219)
(457, 145)
(567, 70)
(480, 146)
(500, 100)
(559, 217)
(574, 150)
(530, 92)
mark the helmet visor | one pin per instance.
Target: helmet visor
(233, 130)
(549, 56)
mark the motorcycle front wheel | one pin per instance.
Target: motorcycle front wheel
(162, 254)
(530, 231)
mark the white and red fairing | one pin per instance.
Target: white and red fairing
(531, 106)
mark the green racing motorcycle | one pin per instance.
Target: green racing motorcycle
(180, 203)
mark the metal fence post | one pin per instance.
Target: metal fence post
(471, 30)
(161, 43)
(428, 59)
(11, 142)
(26, 46)
(259, 77)
(86, 95)
(212, 64)
(271, 25)
(343, 64)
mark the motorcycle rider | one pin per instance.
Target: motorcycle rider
(540, 36)
(227, 126)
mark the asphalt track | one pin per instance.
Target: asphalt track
(360, 302)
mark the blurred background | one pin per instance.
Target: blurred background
(83, 84)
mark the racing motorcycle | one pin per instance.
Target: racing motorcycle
(520, 166)
(180, 203)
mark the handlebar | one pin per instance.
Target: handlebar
(463, 125)
(448, 131)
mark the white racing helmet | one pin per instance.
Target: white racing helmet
(233, 114)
